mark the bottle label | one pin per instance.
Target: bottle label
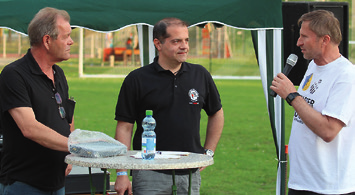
(148, 145)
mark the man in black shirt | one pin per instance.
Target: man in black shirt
(176, 91)
(36, 113)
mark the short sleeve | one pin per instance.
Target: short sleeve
(13, 90)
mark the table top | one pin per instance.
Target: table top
(125, 161)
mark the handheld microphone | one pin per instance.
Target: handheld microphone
(290, 63)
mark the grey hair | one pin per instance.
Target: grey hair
(44, 23)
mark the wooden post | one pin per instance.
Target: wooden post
(198, 45)
(103, 48)
(99, 52)
(112, 60)
(4, 45)
(19, 45)
(92, 46)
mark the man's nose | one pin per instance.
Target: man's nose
(299, 42)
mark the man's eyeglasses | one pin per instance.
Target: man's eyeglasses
(58, 99)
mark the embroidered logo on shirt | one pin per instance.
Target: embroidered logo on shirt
(193, 94)
(307, 82)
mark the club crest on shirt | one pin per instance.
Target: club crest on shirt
(307, 82)
(193, 94)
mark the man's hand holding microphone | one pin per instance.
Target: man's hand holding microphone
(281, 85)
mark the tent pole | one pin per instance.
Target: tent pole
(146, 46)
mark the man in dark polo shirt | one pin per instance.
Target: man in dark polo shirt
(36, 112)
(176, 91)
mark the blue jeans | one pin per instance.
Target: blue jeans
(21, 188)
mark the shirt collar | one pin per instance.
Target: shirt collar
(184, 66)
(35, 69)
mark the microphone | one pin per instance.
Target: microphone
(290, 63)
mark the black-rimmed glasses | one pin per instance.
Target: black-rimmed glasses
(58, 99)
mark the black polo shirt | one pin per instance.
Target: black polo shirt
(23, 84)
(176, 102)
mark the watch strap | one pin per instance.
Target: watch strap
(291, 97)
(209, 152)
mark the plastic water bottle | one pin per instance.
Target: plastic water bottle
(148, 136)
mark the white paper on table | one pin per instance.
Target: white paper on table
(174, 153)
(164, 155)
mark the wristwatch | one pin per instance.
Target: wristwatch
(209, 152)
(291, 97)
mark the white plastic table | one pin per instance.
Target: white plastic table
(125, 161)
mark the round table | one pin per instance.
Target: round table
(126, 161)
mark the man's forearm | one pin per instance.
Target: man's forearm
(214, 130)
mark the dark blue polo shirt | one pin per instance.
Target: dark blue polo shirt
(23, 84)
(176, 102)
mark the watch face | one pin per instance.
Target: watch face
(291, 97)
(209, 153)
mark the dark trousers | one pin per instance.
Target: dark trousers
(301, 192)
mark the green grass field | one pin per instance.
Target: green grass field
(244, 161)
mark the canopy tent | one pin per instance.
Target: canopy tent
(264, 18)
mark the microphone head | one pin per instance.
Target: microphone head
(292, 59)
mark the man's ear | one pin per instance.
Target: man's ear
(46, 41)
(326, 40)
(157, 44)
